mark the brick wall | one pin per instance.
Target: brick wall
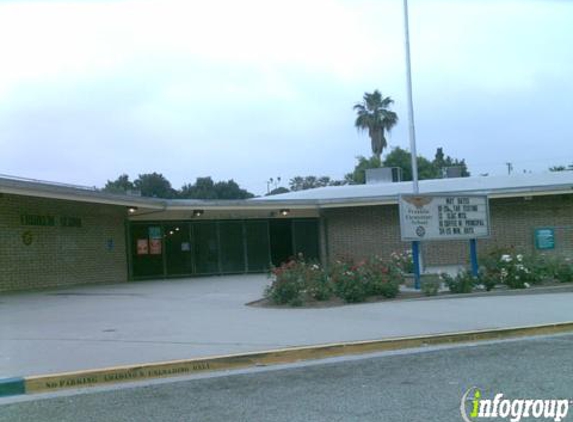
(60, 255)
(364, 231)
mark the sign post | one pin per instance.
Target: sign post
(416, 263)
(474, 257)
(444, 217)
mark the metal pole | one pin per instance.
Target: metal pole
(411, 127)
(412, 135)
(416, 263)
(474, 257)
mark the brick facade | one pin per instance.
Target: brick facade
(80, 243)
(359, 232)
(60, 253)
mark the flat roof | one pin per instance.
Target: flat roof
(493, 186)
(55, 190)
(551, 183)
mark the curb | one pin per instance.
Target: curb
(130, 373)
(12, 386)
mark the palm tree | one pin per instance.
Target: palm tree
(374, 114)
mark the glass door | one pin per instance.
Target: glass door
(146, 250)
(179, 254)
(206, 245)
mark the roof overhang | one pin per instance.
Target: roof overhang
(39, 189)
(173, 208)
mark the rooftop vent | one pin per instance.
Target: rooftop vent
(451, 172)
(383, 175)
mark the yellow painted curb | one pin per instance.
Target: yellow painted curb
(128, 373)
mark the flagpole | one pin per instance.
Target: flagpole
(411, 127)
(412, 135)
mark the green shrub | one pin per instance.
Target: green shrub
(463, 282)
(486, 280)
(348, 283)
(403, 260)
(297, 282)
(554, 267)
(564, 273)
(515, 270)
(382, 279)
(431, 287)
(372, 277)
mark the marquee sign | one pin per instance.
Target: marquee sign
(443, 217)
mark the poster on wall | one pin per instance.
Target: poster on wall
(154, 232)
(451, 217)
(155, 246)
(142, 247)
(544, 238)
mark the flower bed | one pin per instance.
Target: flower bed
(506, 268)
(298, 282)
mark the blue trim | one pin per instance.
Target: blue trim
(12, 386)
(474, 257)
(416, 262)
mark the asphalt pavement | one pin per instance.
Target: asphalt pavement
(92, 327)
(415, 385)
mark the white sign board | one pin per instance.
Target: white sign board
(448, 217)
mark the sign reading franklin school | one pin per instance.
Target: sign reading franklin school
(452, 217)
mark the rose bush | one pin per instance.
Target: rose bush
(297, 281)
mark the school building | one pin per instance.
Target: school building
(54, 234)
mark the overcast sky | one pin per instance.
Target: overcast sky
(255, 89)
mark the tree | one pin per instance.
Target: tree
(154, 185)
(120, 185)
(442, 162)
(402, 158)
(277, 191)
(231, 190)
(374, 115)
(205, 188)
(358, 175)
(311, 182)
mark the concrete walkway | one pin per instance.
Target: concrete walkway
(92, 327)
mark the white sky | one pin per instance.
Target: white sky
(257, 89)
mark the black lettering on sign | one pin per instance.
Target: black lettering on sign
(49, 220)
(70, 222)
(37, 220)
(471, 208)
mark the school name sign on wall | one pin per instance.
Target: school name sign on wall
(449, 217)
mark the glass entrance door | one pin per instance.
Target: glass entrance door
(179, 254)
(280, 233)
(186, 248)
(206, 245)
